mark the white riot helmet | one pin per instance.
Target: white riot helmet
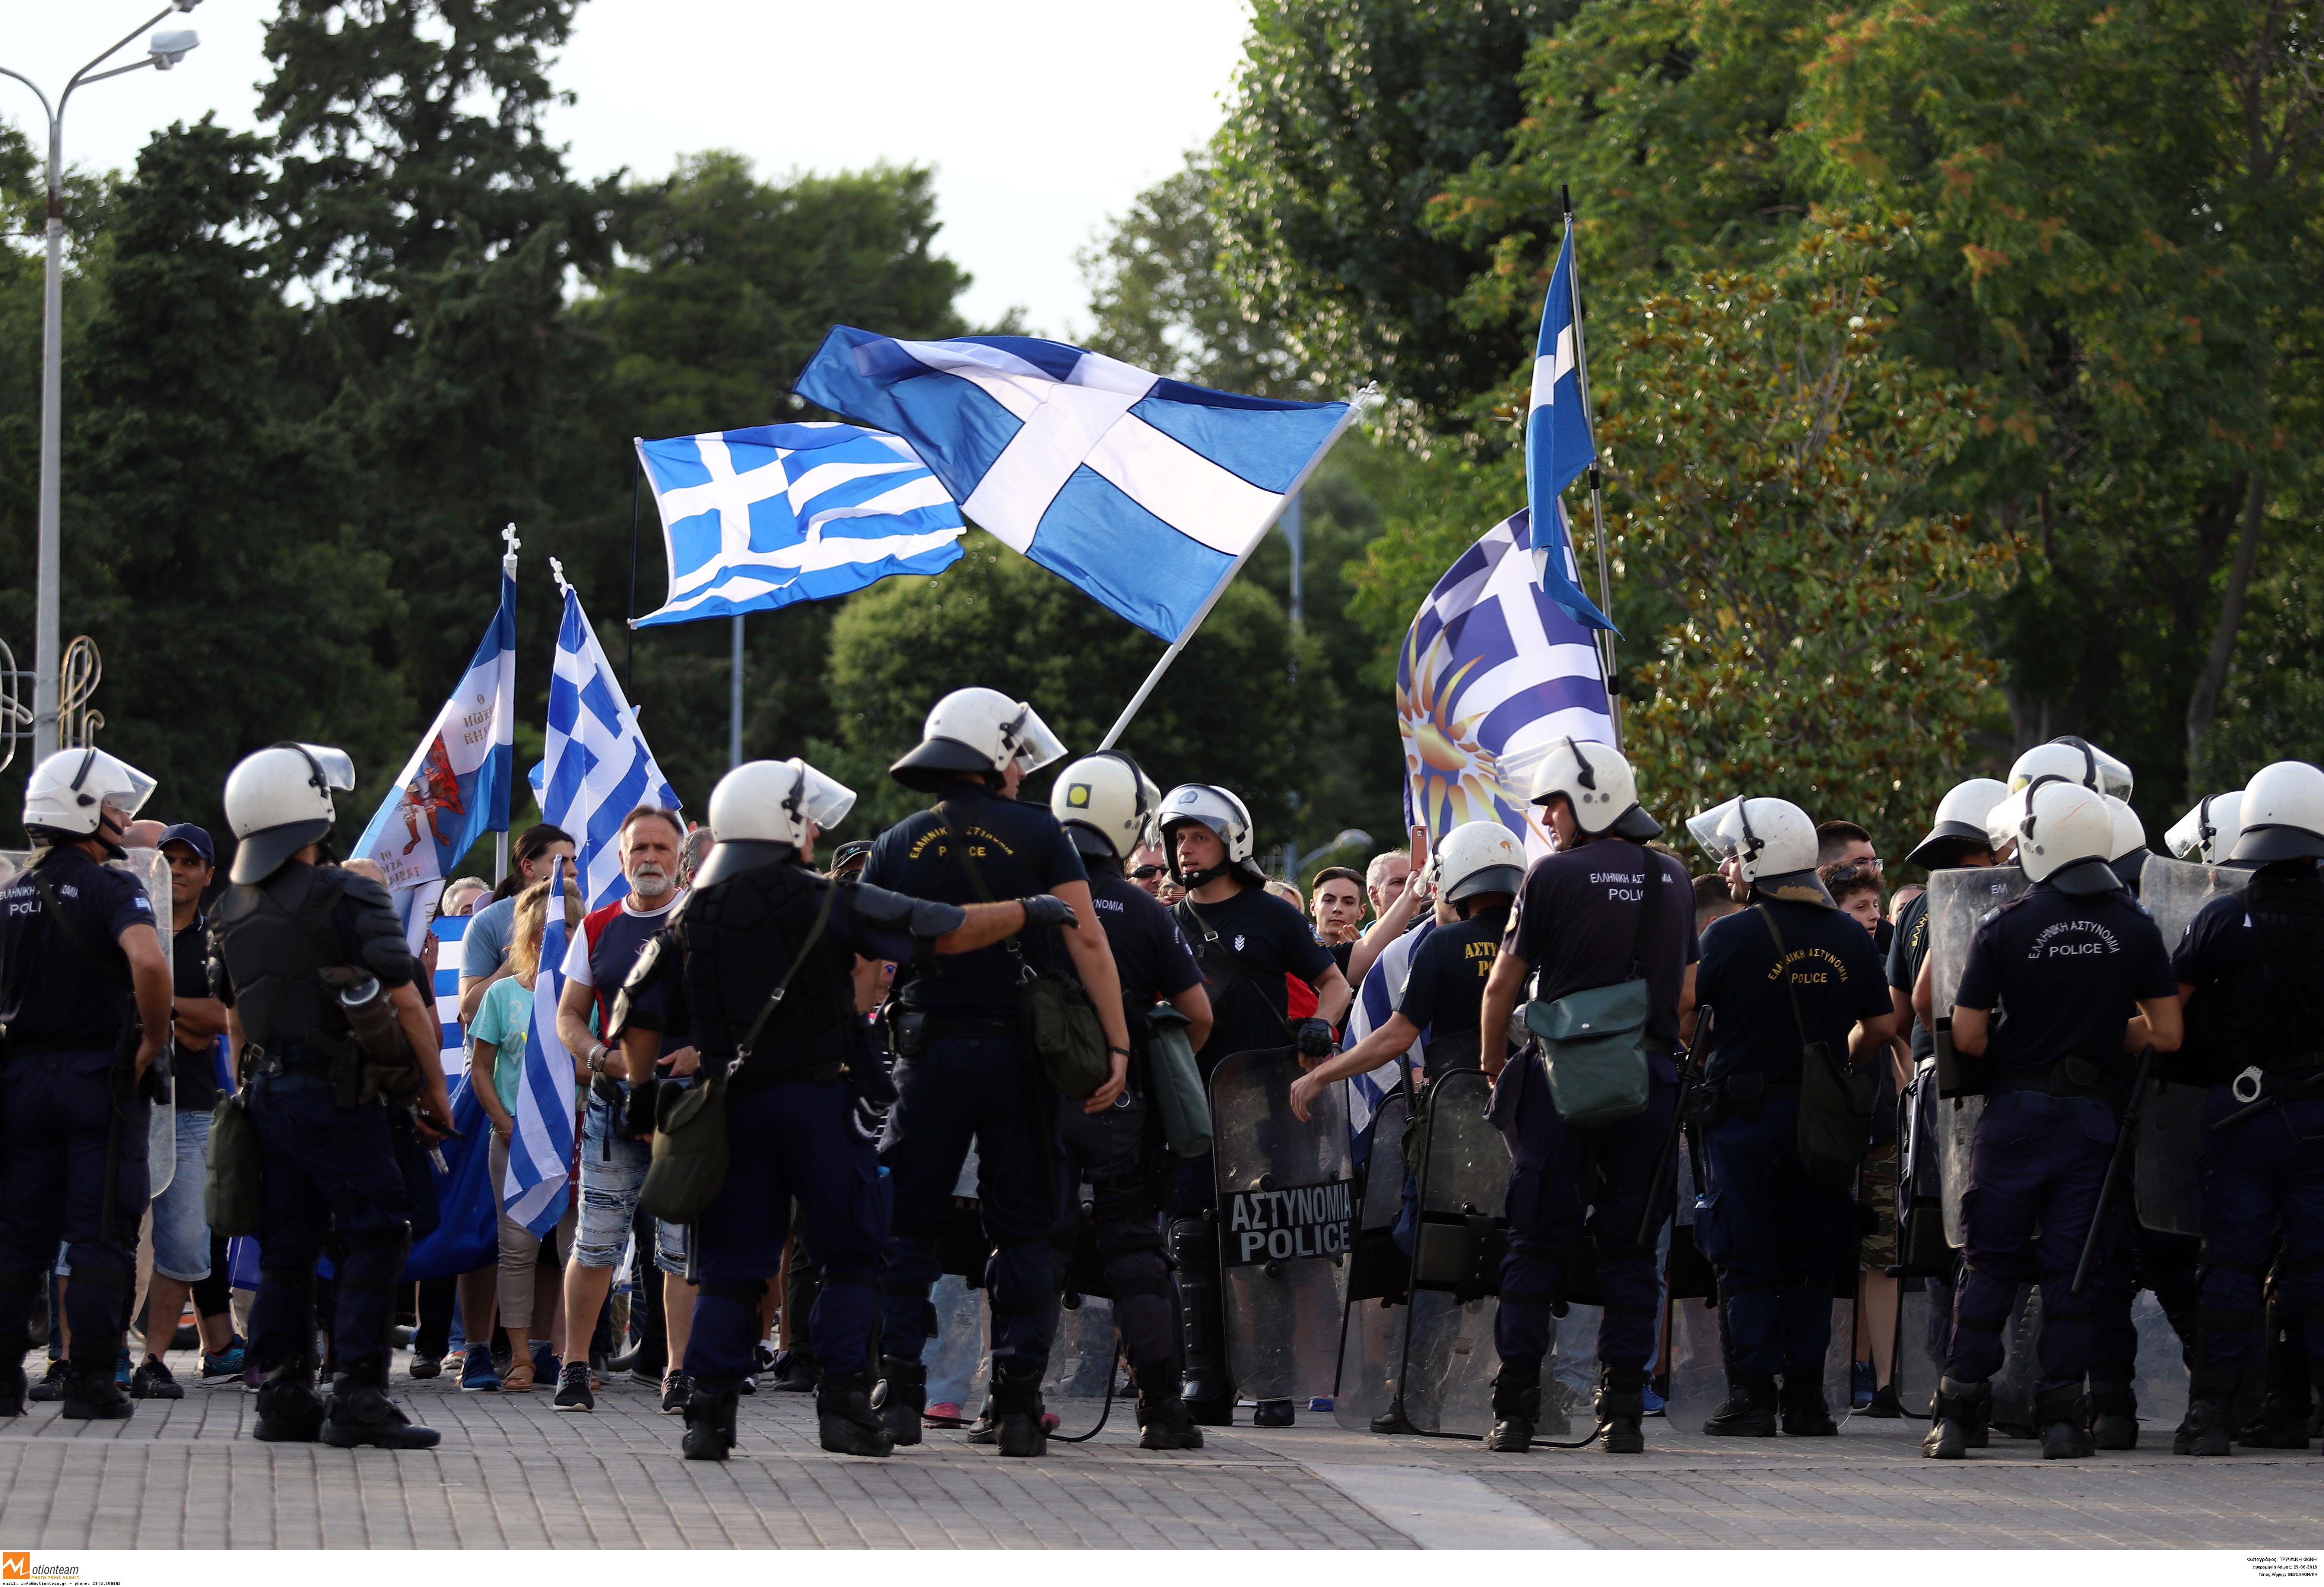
(2128, 851)
(279, 800)
(1773, 840)
(1106, 803)
(68, 794)
(1478, 857)
(1959, 824)
(2063, 831)
(2208, 832)
(2075, 760)
(760, 813)
(1600, 784)
(2282, 815)
(1223, 814)
(974, 732)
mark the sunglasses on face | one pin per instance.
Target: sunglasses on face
(1146, 872)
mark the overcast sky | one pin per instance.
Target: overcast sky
(1042, 117)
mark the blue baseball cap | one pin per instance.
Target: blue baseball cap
(193, 838)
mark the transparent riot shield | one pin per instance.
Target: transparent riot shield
(1957, 900)
(1286, 1220)
(1449, 1359)
(152, 874)
(2170, 1161)
(1380, 1274)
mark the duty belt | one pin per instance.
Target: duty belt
(972, 1026)
(2072, 1075)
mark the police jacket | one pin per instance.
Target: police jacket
(271, 940)
(2255, 959)
(64, 985)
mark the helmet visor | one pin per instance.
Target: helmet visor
(2186, 836)
(1705, 828)
(819, 798)
(114, 782)
(333, 766)
(1029, 740)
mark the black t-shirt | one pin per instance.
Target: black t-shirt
(1245, 947)
(1830, 963)
(1906, 951)
(1019, 849)
(1444, 989)
(1149, 955)
(661, 1004)
(195, 1068)
(54, 996)
(1576, 925)
(2066, 973)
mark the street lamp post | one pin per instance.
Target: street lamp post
(163, 50)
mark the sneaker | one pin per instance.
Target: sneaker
(50, 1388)
(225, 1366)
(477, 1374)
(573, 1389)
(675, 1388)
(1657, 1405)
(944, 1414)
(1321, 1403)
(123, 1372)
(1885, 1406)
(151, 1380)
(1860, 1385)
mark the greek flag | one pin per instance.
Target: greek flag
(1383, 990)
(1493, 672)
(598, 769)
(756, 519)
(448, 931)
(454, 788)
(1558, 444)
(540, 1147)
(1145, 493)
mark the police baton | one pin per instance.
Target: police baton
(2125, 1139)
(1690, 1074)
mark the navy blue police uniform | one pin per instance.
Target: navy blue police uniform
(74, 1122)
(1582, 922)
(2063, 974)
(964, 1071)
(1776, 1237)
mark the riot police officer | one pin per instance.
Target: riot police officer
(964, 1066)
(1106, 805)
(758, 967)
(2249, 969)
(1600, 911)
(297, 946)
(1788, 975)
(2081, 976)
(85, 1004)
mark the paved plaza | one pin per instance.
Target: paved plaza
(513, 1474)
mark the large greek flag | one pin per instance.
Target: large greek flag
(1558, 443)
(598, 769)
(1493, 672)
(540, 1147)
(454, 788)
(1143, 492)
(1383, 990)
(756, 519)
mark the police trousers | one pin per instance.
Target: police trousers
(1777, 1239)
(985, 1089)
(2130, 1259)
(326, 1173)
(2036, 1163)
(58, 1114)
(2263, 1180)
(1107, 1153)
(1562, 1176)
(796, 1141)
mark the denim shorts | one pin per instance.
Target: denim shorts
(612, 1172)
(182, 1236)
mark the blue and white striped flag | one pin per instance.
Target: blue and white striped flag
(448, 931)
(1383, 989)
(540, 1147)
(598, 769)
(1145, 493)
(756, 519)
(1492, 674)
(1558, 443)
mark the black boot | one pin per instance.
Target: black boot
(289, 1409)
(1162, 1419)
(1517, 1406)
(902, 1395)
(795, 1372)
(2114, 1415)
(91, 1395)
(844, 1413)
(1622, 1408)
(1805, 1413)
(1017, 1413)
(1749, 1411)
(710, 1405)
(2209, 1429)
(1391, 1421)
(2063, 1414)
(1957, 1419)
(361, 1414)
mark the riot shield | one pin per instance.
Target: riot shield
(152, 874)
(1371, 1328)
(1286, 1218)
(1959, 900)
(2170, 1161)
(1449, 1358)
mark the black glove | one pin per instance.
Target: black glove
(638, 1111)
(1047, 909)
(607, 1090)
(1315, 1038)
